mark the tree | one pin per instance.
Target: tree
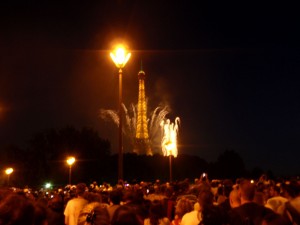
(48, 150)
(230, 165)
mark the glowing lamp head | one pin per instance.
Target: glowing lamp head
(70, 161)
(8, 171)
(120, 57)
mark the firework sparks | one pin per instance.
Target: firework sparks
(169, 140)
(129, 128)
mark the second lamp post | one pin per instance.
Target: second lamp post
(70, 162)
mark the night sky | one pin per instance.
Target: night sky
(229, 71)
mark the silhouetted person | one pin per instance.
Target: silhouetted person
(94, 213)
(115, 198)
(157, 214)
(125, 215)
(249, 212)
(17, 209)
(183, 206)
(55, 215)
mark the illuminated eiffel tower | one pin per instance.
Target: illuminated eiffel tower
(142, 142)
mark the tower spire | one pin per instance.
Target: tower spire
(141, 65)
(142, 142)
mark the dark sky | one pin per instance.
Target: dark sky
(229, 71)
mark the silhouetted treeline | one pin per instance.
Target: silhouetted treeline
(44, 160)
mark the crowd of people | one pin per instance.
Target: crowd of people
(201, 202)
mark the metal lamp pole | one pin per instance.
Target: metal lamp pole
(8, 171)
(120, 58)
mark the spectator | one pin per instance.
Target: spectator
(274, 219)
(276, 202)
(125, 215)
(234, 198)
(208, 213)
(55, 214)
(115, 198)
(94, 213)
(157, 215)
(292, 207)
(183, 206)
(226, 190)
(75, 205)
(248, 212)
(16, 209)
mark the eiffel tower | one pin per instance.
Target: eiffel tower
(142, 142)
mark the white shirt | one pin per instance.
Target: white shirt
(163, 221)
(191, 218)
(73, 209)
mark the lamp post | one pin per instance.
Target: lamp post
(120, 57)
(8, 171)
(170, 150)
(70, 162)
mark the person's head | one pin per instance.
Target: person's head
(80, 189)
(247, 190)
(183, 206)
(205, 199)
(129, 196)
(291, 189)
(227, 187)
(274, 219)
(16, 209)
(259, 198)
(115, 196)
(93, 197)
(125, 215)
(212, 215)
(156, 211)
(234, 198)
(56, 204)
(94, 213)
(274, 191)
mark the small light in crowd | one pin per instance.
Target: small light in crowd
(252, 181)
(48, 185)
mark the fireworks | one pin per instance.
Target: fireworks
(129, 128)
(169, 140)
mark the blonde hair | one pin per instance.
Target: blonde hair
(183, 206)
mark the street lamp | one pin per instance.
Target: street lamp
(70, 162)
(8, 171)
(120, 57)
